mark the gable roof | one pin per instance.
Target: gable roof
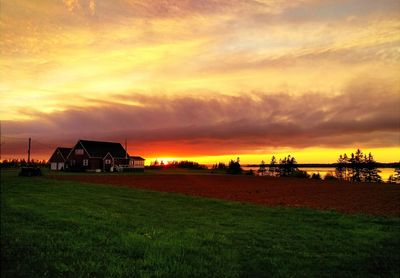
(64, 151)
(60, 154)
(100, 149)
(136, 158)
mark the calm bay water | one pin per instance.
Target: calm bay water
(385, 172)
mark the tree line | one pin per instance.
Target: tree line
(233, 167)
(183, 164)
(17, 163)
(356, 167)
(286, 167)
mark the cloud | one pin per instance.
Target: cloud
(206, 77)
(365, 114)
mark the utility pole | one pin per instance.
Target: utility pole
(1, 144)
(29, 150)
(126, 148)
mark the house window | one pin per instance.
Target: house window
(139, 163)
(108, 161)
(85, 162)
(79, 151)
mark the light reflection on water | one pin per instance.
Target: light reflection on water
(385, 172)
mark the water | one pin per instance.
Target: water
(385, 172)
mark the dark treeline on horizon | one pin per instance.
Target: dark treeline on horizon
(357, 167)
(331, 165)
(183, 164)
(23, 162)
(16, 163)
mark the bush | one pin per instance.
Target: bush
(250, 173)
(234, 167)
(316, 176)
(299, 174)
(329, 176)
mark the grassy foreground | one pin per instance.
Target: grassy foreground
(51, 228)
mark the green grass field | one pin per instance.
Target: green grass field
(51, 228)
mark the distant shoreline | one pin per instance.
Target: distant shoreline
(328, 165)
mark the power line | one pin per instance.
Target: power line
(14, 138)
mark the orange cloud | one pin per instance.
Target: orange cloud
(217, 61)
(221, 125)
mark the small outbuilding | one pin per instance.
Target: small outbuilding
(58, 158)
(136, 162)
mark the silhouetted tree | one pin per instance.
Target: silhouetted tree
(221, 166)
(355, 171)
(185, 164)
(250, 172)
(262, 169)
(371, 172)
(16, 163)
(316, 176)
(397, 172)
(287, 166)
(342, 167)
(395, 178)
(329, 176)
(234, 167)
(358, 168)
(273, 169)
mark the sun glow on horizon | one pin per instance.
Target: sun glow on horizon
(190, 81)
(310, 155)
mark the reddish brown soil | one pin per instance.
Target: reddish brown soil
(378, 199)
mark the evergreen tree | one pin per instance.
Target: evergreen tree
(359, 168)
(355, 173)
(273, 170)
(341, 167)
(287, 166)
(396, 176)
(346, 168)
(234, 167)
(316, 176)
(221, 166)
(371, 172)
(262, 169)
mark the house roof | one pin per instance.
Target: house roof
(64, 151)
(136, 158)
(60, 154)
(100, 149)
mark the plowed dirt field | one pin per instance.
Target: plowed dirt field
(367, 198)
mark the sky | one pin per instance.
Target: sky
(202, 80)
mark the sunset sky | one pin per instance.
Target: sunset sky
(204, 80)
